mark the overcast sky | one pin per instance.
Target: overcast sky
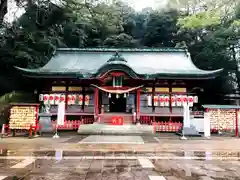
(138, 5)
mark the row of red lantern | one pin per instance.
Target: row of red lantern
(72, 99)
(178, 100)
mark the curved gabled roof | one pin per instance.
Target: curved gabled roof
(174, 63)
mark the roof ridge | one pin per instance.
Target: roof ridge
(163, 49)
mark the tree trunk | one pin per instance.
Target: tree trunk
(237, 68)
(3, 10)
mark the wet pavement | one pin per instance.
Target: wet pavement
(45, 159)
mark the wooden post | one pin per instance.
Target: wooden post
(237, 133)
(96, 101)
(83, 94)
(36, 120)
(66, 101)
(153, 94)
(170, 96)
(138, 103)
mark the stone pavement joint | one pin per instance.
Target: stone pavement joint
(145, 163)
(157, 178)
(24, 163)
(3, 177)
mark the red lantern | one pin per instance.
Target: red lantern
(51, 99)
(179, 100)
(166, 99)
(73, 100)
(190, 101)
(69, 99)
(155, 99)
(173, 100)
(161, 100)
(80, 99)
(184, 100)
(46, 98)
(57, 98)
(87, 100)
(62, 98)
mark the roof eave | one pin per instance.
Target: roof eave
(37, 74)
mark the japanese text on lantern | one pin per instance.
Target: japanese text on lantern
(21, 117)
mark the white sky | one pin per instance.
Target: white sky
(138, 5)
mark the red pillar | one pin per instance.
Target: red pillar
(96, 93)
(236, 123)
(66, 101)
(138, 103)
(170, 97)
(36, 116)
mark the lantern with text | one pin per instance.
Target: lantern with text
(62, 98)
(73, 100)
(40, 97)
(166, 100)
(69, 99)
(195, 99)
(190, 101)
(149, 100)
(57, 98)
(86, 100)
(155, 100)
(173, 100)
(161, 100)
(46, 98)
(51, 99)
(179, 100)
(184, 100)
(80, 99)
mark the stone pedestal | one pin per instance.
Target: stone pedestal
(187, 129)
(45, 123)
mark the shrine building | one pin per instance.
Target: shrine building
(139, 85)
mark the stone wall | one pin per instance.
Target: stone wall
(224, 119)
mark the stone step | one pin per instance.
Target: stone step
(112, 129)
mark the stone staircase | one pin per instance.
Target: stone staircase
(97, 128)
(107, 118)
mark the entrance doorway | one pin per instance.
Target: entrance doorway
(117, 104)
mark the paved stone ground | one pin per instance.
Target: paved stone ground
(158, 158)
(98, 139)
(121, 166)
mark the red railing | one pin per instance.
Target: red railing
(28, 128)
(166, 126)
(145, 120)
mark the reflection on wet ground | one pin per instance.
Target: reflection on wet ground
(200, 155)
(30, 162)
(120, 165)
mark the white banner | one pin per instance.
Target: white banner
(61, 113)
(149, 100)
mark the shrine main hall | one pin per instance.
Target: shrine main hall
(138, 85)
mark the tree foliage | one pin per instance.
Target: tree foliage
(209, 29)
